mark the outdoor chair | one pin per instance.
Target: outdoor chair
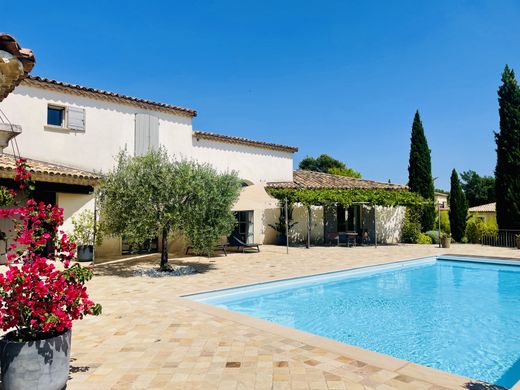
(332, 237)
(234, 241)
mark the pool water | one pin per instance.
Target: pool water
(458, 316)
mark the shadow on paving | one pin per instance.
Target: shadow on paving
(74, 369)
(482, 386)
(127, 269)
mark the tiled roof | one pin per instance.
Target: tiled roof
(484, 208)
(60, 86)
(48, 172)
(11, 74)
(243, 141)
(311, 179)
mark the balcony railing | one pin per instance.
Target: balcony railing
(504, 238)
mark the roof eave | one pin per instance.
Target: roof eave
(41, 82)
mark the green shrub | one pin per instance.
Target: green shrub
(434, 235)
(410, 232)
(424, 239)
(445, 221)
(490, 229)
(476, 228)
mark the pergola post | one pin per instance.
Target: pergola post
(309, 221)
(375, 226)
(286, 212)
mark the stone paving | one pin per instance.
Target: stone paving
(149, 338)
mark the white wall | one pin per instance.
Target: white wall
(73, 204)
(298, 234)
(251, 163)
(389, 222)
(109, 128)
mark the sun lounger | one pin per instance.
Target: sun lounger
(239, 244)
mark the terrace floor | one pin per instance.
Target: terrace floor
(149, 338)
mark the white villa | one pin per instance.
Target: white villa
(71, 134)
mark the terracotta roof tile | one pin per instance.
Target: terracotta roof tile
(243, 141)
(48, 172)
(484, 208)
(42, 82)
(10, 72)
(310, 179)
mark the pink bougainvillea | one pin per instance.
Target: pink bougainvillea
(41, 293)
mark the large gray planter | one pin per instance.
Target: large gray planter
(85, 252)
(38, 365)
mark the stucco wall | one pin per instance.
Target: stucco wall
(389, 222)
(72, 205)
(109, 128)
(265, 211)
(298, 234)
(251, 163)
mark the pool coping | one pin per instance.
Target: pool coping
(420, 372)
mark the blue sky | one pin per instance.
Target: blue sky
(336, 77)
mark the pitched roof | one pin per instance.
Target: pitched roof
(484, 208)
(48, 172)
(316, 180)
(11, 72)
(41, 82)
(243, 141)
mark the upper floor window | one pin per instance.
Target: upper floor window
(55, 116)
(70, 118)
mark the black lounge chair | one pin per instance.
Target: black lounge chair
(239, 244)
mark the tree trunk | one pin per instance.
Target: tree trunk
(164, 249)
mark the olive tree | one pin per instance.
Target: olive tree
(152, 196)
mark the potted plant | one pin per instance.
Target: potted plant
(445, 240)
(41, 294)
(83, 235)
(279, 226)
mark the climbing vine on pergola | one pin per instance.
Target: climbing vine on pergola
(347, 197)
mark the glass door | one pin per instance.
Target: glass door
(245, 226)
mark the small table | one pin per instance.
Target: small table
(350, 238)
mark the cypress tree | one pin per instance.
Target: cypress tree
(420, 178)
(458, 208)
(507, 172)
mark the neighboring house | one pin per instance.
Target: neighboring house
(329, 222)
(70, 131)
(485, 212)
(442, 198)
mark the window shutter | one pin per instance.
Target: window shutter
(76, 118)
(141, 134)
(154, 133)
(146, 133)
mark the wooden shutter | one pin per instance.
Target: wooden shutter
(153, 136)
(146, 133)
(76, 118)
(141, 134)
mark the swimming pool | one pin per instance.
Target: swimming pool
(456, 314)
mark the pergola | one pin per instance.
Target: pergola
(310, 188)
